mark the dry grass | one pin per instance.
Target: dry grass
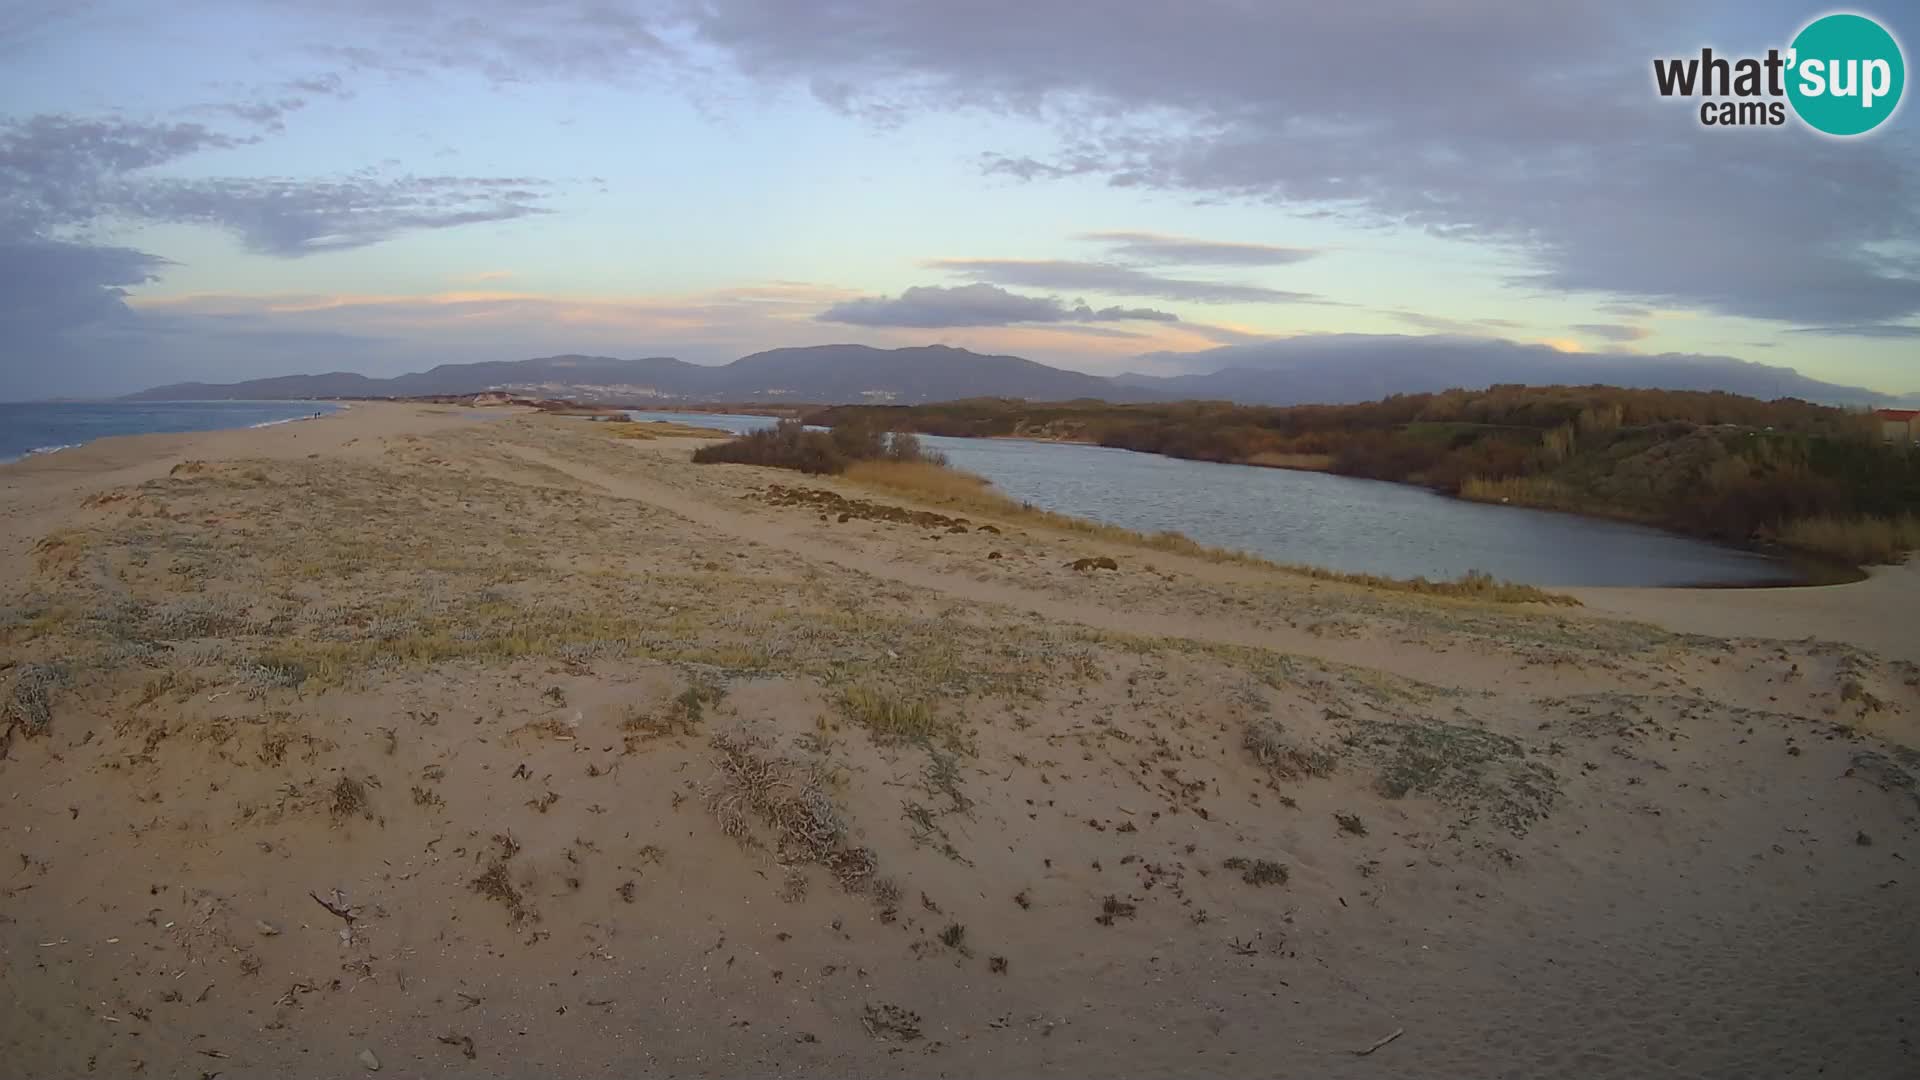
(349, 798)
(29, 704)
(60, 549)
(956, 489)
(1864, 540)
(891, 1022)
(660, 429)
(753, 787)
(1472, 585)
(497, 884)
(682, 715)
(889, 719)
(1260, 872)
(1115, 908)
(1279, 755)
(938, 484)
(1303, 462)
(1537, 491)
(1469, 769)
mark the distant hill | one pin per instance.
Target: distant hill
(1311, 369)
(824, 374)
(1346, 368)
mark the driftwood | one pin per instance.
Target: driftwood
(1397, 1032)
(343, 912)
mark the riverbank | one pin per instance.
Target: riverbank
(514, 747)
(1875, 613)
(1711, 465)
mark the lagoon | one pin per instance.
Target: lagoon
(1337, 522)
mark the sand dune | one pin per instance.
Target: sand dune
(485, 745)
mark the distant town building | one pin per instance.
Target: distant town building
(1899, 425)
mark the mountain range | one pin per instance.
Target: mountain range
(1324, 368)
(825, 374)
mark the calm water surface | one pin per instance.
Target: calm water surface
(1360, 526)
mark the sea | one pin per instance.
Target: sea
(28, 428)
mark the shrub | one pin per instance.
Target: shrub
(904, 447)
(1258, 871)
(791, 445)
(786, 445)
(1273, 750)
(33, 695)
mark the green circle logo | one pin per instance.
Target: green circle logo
(1845, 74)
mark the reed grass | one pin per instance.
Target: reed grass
(661, 429)
(1537, 491)
(1862, 539)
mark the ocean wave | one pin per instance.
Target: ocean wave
(8, 459)
(274, 423)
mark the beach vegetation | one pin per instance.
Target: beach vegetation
(791, 444)
(1861, 538)
(887, 717)
(1260, 872)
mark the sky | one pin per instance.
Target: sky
(212, 190)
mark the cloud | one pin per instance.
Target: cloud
(1626, 311)
(301, 217)
(1546, 106)
(1442, 324)
(47, 284)
(1114, 278)
(67, 170)
(270, 107)
(934, 306)
(63, 293)
(62, 176)
(1226, 335)
(58, 171)
(21, 21)
(503, 41)
(1160, 249)
(1618, 332)
(1863, 330)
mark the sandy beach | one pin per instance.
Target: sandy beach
(428, 741)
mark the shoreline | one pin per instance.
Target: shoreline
(1824, 573)
(1832, 571)
(48, 451)
(111, 457)
(1811, 570)
(137, 451)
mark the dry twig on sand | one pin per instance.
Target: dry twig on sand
(1397, 1032)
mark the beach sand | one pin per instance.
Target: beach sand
(480, 743)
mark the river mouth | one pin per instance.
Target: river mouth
(1347, 524)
